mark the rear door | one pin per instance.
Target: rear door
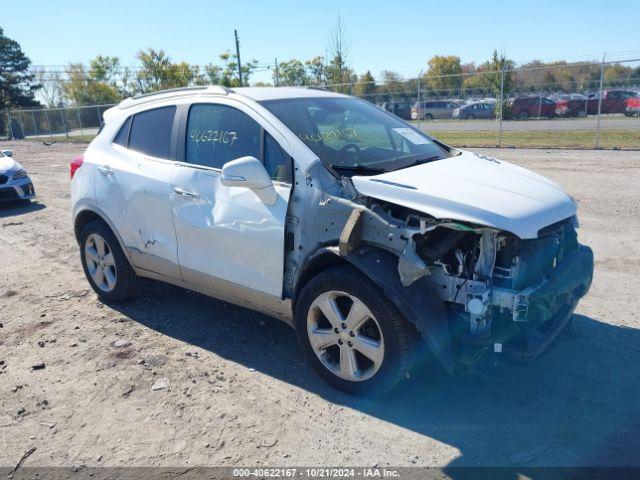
(442, 110)
(449, 109)
(133, 189)
(229, 241)
(609, 101)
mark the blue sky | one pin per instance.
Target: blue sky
(395, 35)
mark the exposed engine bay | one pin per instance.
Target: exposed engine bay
(490, 280)
(499, 291)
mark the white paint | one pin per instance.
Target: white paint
(475, 189)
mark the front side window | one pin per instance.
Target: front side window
(275, 159)
(217, 134)
(350, 134)
(151, 132)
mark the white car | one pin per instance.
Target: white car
(15, 183)
(368, 236)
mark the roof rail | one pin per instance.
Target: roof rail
(215, 89)
(317, 87)
(212, 88)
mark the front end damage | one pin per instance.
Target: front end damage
(500, 292)
(469, 289)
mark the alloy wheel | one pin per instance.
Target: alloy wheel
(100, 262)
(345, 336)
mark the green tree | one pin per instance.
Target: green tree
(365, 86)
(292, 72)
(487, 79)
(316, 71)
(158, 72)
(82, 88)
(105, 69)
(17, 85)
(444, 73)
(229, 70)
(617, 75)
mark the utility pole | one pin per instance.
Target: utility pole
(238, 55)
(420, 109)
(277, 81)
(501, 106)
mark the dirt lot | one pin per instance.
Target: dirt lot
(239, 393)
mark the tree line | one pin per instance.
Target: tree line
(106, 80)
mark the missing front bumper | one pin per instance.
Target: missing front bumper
(538, 315)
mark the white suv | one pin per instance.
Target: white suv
(368, 236)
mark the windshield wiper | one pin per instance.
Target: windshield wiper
(419, 161)
(358, 168)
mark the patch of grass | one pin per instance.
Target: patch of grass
(541, 139)
(62, 138)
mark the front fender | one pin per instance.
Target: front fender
(418, 302)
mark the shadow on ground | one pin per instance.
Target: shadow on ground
(14, 209)
(576, 406)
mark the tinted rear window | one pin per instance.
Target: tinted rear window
(151, 132)
(122, 138)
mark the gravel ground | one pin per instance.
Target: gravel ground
(174, 378)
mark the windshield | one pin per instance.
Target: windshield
(352, 135)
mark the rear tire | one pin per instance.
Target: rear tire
(523, 115)
(105, 265)
(428, 116)
(363, 345)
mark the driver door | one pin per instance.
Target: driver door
(229, 241)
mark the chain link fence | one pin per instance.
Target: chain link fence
(584, 105)
(78, 123)
(579, 105)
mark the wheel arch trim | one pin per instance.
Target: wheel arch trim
(94, 211)
(381, 267)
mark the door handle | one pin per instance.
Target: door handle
(185, 193)
(105, 170)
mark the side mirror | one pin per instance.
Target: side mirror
(249, 172)
(7, 153)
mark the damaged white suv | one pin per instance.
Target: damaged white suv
(368, 236)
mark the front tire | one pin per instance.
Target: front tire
(105, 265)
(352, 335)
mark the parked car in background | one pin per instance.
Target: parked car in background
(533, 106)
(571, 105)
(433, 109)
(475, 110)
(15, 183)
(632, 106)
(401, 109)
(613, 101)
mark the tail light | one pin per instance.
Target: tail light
(632, 102)
(562, 107)
(75, 165)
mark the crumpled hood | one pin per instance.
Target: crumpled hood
(8, 164)
(474, 188)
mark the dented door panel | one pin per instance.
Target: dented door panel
(228, 233)
(135, 196)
